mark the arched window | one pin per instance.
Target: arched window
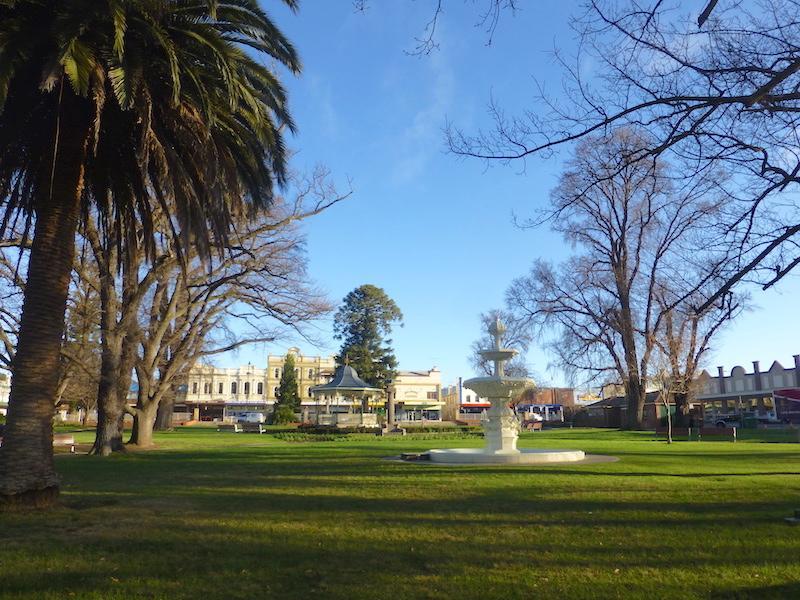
(233, 388)
(260, 388)
(246, 387)
(194, 387)
(310, 373)
(309, 392)
(277, 373)
(275, 391)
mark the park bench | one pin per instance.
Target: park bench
(60, 440)
(728, 432)
(532, 425)
(253, 428)
(662, 430)
(64, 440)
(230, 428)
(698, 432)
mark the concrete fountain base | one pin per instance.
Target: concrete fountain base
(528, 456)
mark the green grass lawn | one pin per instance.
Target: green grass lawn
(222, 515)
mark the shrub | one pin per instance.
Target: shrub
(282, 415)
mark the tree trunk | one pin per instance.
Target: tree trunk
(165, 409)
(681, 409)
(116, 368)
(635, 394)
(145, 418)
(143, 423)
(110, 415)
(669, 424)
(27, 472)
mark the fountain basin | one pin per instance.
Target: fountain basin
(500, 388)
(527, 456)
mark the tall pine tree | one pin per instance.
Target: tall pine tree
(363, 323)
(288, 396)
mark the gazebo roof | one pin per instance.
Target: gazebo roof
(345, 379)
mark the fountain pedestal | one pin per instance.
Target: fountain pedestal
(501, 427)
(501, 431)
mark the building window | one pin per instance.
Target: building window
(233, 388)
(277, 373)
(310, 373)
(433, 395)
(220, 388)
(275, 391)
(309, 392)
(207, 387)
(194, 387)
(260, 388)
(246, 387)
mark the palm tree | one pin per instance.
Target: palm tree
(127, 107)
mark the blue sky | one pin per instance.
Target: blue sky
(435, 231)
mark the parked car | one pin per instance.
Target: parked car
(728, 421)
(252, 417)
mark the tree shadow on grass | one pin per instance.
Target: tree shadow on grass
(765, 592)
(283, 556)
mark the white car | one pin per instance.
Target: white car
(252, 417)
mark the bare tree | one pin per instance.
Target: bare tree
(80, 350)
(488, 19)
(517, 337)
(252, 293)
(79, 368)
(630, 223)
(716, 90)
(665, 385)
(124, 280)
(684, 341)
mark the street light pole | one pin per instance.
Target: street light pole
(390, 423)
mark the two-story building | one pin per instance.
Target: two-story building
(771, 395)
(5, 390)
(418, 395)
(738, 398)
(211, 393)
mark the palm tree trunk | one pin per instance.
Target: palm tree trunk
(27, 473)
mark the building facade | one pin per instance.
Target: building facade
(418, 395)
(215, 394)
(769, 395)
(5, 390)
(212, 393)
(462, 404)
(547, 404)
(739, 398)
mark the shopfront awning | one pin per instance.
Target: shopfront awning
(792, 394)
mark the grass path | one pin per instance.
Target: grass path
(214, 515)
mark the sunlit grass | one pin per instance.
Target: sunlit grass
(222, 515)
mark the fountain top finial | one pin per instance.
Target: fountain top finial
(497, 330)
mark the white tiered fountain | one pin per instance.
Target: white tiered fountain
(501, 427)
